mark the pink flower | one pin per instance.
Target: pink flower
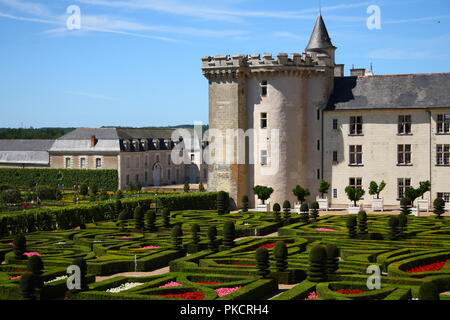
(29, 254)
(126, 237)
(224, 291)
(150, 247)
(325, 229)
(10, 244)
(171, 284)
(313, 295)
(15, 278)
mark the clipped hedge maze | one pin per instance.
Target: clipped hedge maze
(410, 265)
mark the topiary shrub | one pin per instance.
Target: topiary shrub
(263, 193)
(229, 234)
(276, 212)
(36, 267)
(280, 253)
(151, 220)
(402, 223)
(245, 203)
(81, 263)
(439, 207)
(94, 189)
(262, 262)
(362, 222)
(118, 207)
(186, 187)
(177, 241)
(314, 210)
(222, 205)
(304, 213)
(139, 218)
(28, 286)
(20, 246)
(122, 219)
(317, 264)
(428, 291)
(393, 228)
(84, 190)
(351, 226)
(405, 205)
(287, 211)
(212, 239)
(10, 196)
(166, 217)
(332, 262)
(195, 229)
(301, 193)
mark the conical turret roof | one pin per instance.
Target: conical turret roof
(319, 37)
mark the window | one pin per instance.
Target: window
(128, 179)
(263, 120)
(443, 123)
(318, 114)
(68, 163)
(157, 158)
(355, 155)
(444, 195)
(403, 185)
(192, 157)
(82, 163)
(404, 154)
(318, 145)
(318, 174)
(263, 157)
(356, 125)
(335, 124)
(355, 182)
(404, 124)
(169, 160)
(264, 88)
(98, 163)
(146, 161)
(335, 156)
(335, 193)
(443, 155)
(168, 174)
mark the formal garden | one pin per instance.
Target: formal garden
(199, 250)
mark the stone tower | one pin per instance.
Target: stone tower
(281, 98)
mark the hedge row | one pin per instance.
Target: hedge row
(49, 219)
(25, 178)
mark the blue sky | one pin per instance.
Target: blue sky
(138, 62)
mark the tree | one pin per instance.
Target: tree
(314, 210)
(276, 212)
(301, 193)
(186, 187)
(439, 207)
(201, 187)
(177, 234)
(195, 229)
(362, 222)
(212, 239)
(229, 234)
(123, 215)
(332, 261)
(139, 218)
(304, 212)
(375, 189)
(166, 217)
(20, 246)
(402, 223)
(324, 187)
(287, 211)
(424, 187)
(393, 226)
(317, 264)
(280, 253)
(354, 194)
(151, 220)
(351, 226)
(245, 203)
(405, 205)
(263, 192)
(262, 262)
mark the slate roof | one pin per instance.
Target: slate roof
(415, 91)
(25, 151)
(319, 37)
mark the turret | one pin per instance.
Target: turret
(320, 43)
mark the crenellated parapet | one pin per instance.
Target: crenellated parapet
(227, 67)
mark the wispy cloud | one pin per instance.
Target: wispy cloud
(399, 54)
(90, 95)
(436, 18)
(26, 7)
(288, 35)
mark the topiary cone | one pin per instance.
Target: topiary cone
(317, 264)
(262, 262)
(280, 253)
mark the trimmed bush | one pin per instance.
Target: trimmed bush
(393, 228)
(10, 196)
(276, 212)
(405, 205)
(195, 229)
(166, 217)
(402, 222)
(351, 226)
(262, 262)
(314, 210)
(301, 193)
(362, 222)
(84, 189)
(36, 267)
(332, 262)
(201, 187)
(222, 202)
(263, 193)
(81, 263)
(439, 207)
(287, 211)
(139, 218)
(229, 234)
(324, 187)
(177, 241)
(304, 213)
(48, 193)
(28, 286)
(122, 219)
(317, 271)
(280, 253)
(428, 291)
(186, 187)
(151, 220)
(20, 246)
(212, 239)
(245, 203)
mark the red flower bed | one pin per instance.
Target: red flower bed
(208, 282)
(429, 267)
(267, 246)
(348, 291)
(185, 296)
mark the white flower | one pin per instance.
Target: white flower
(62, 242)
(123, 287)
(56, 279)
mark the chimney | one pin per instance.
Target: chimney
(358, 72)
(93, 141)
(339, 70)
